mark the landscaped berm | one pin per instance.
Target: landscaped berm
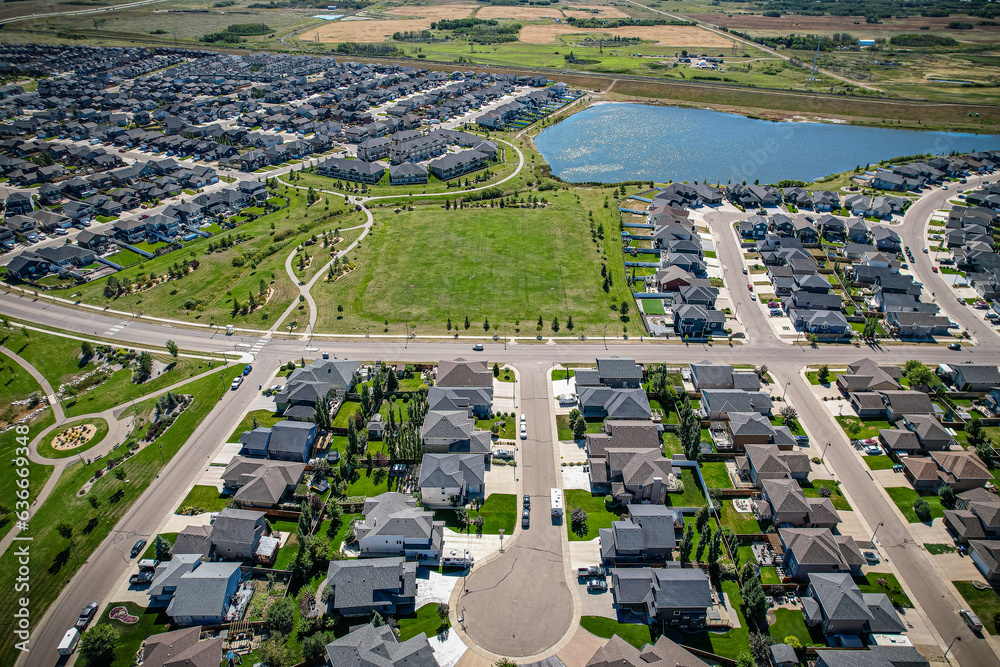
(74, 437)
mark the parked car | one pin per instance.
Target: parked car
(934, 269)
(138, 547)
(247, 369)
(750, 286)
(478, 347)
(871, 556)
(589, 571)
(955, 346)
(85, 615)
(753, 297)
(971, 620)
(527, 501)
(237, 381)
(926, 251)
(776, 312)
(524, 432)
(802, 440)
(873, 450)
(141, 578)
(597, 585)
(525, 517)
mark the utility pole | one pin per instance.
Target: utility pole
(812, 75)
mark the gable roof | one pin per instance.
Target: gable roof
(664, 653)
(462, 373)
(368, 646)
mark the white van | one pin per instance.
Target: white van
(69, 642)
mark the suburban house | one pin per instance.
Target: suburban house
(646, 535)
(709, 375)
(784, 503)
(233, 535)
(749, 428)
(809, 551)
(634, 475)
(664, 653)
(370, 646)
(986, 555)
(698, 321)
(673, 596)
(285, 441)
(181, 647)
(477, 400)
(867, 375)
(313, 383)
(462, 373)
(385, 585)
(393, 525)
(768, 462)
(444, 477)
(718, 404)
(261, 483)
(601, 401)
(834, 602)
(446, 431)
(194, 592)
(875, 656)
(930, 434)
(976, 377)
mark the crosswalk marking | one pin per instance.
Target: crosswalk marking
(115, 329)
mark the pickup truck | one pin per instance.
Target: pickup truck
(592, 571)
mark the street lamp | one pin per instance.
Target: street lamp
(785, 391)
(880, 524)
(605, 336)
(505, 336)
(407, 342)
(822, 458)
(956, 639)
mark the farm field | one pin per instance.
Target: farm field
(664, 35)
(509, 266)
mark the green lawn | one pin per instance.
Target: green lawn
(505, 374)
(869, 427)
(37, 474)
(879, 462)
(743, 523)
(150, 551)
(131, 636)
(789, 623)
(938, 549)
(693, 496)
(716, 476)
(46, 449)
(120, 389)
(365, 485)
(594, 425)
(425, 621)
(635, 634)
(904, 497)
(499, 510)
(346, 411)
(869, 584)
(562, 374)
(672, 444)
(204, 499)
(508, 430)
(653, 306)
(265, 418)
(53, 561)
(597, 516)
(811, 489)
(984, 603)
(15, 383)
(55, 357)
(769, 575)
(728, 644)
(509, 265)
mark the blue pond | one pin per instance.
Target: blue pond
(608, 143)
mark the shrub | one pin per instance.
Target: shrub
(922, 509)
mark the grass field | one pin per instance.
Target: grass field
(37, 474)
(15, 383)
(205, 498)
(46, 449)
(811, 490)
(985, 604)
(597, 515)
(869, 427)
(869, 584)
(904, 497)
(56, 358)
(131, 636)
(715, 475)
(120, 389)
(500, 510)
(566, 433)
(790, 623)
(505, 265)
(424, 621)
(55, 562)
(635, 634)
(879, 462)
(264, 417)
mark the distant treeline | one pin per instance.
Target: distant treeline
(368, 49)
(803, 42)
(874, 10)
(514, 3)
(922, 40)
(309, 4)
(412, 36)
(484, 31)
(577, 22)
(233, 34)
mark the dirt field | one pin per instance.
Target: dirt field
(667, 35)
(363, 31)
(769, 26)
(435, 12)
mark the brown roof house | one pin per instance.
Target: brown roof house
(664, 653)
(962, 470)
(867, 375)
(812, 550)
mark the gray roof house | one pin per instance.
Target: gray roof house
(646, 535)
(618, 372)
(477, 400)
(368, 646)
(394, 525)
(385, 585)
(613, 403)
(710, 375)
(462, 373)
(285, 441)
(809, 551)
(307, 385)
(768, 462)
(236, 533)
(636, 475)
(202, 595)
(664, 653)
(976, 377)
(785, 504)
(182, 647)
(261, 483)
(839, 607)
(443, 476)
(446, 431)
(875, 656)
(717, 404)
(674, 596)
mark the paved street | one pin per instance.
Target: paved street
(520, 603)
